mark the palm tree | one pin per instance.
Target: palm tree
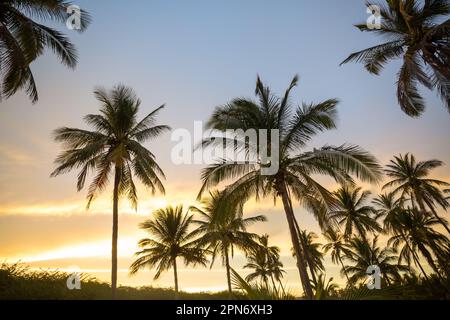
(414, 34)
(414, 231)
(265, 260)
(312, 253)
(364, 254)
(171, 239)
(410, 178)
(257, 260)
(221, 233)
(115, 144)
(23, 40)
(294, 179)
(353, 213)
(387, 205)
(273, 257)
(338, 247)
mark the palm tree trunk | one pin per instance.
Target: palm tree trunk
(175, 277)
(343, 269)
(227, 265)
(305, 251)
(429, 259)
(295, 242)
(273, 284)
(115, 229)
(416, 259)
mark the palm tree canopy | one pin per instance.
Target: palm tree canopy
(296, 127)
(409, 177)
(353, 212)
(171, 238)
(313, 251)
(23, 40)
(364, 254)
(265, 260)
(415, 32)
(418, 230)
(219, 231)
(336, 244)
(115, 142)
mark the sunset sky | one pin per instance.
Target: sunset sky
(192, 56)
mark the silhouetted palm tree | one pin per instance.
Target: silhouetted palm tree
(364, 254)
(353, 213)
(313, 255)
(265, 260)
(414, 34)
(294, 179)
(413, 230)
(114, 147)
(338, 247)
(387, 205)
(23, 40)
(257, 260)
(410, 178)
(170, 239)
(221, 230)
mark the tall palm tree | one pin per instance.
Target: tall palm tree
(415, 33)
(353, 213)
(410, 178)
(312, 253)
(294, 179)
(23, 40)
(114, 146)
(414, 230)
(338, 247)
(364, 254)
(170, 239)
(220, 233)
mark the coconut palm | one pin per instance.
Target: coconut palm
(410, 179)
(273, 257)
(386, 205)
(170, 240)
(338, 248)
(312, 253)
(265, 260)
(353, 213)
(220, 233)
(364, 254)
(23, 40)
(415, 33)
(257, 260)
(113, 147)
(414, 232)
(294, 179)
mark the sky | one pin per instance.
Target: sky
(191, 56)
